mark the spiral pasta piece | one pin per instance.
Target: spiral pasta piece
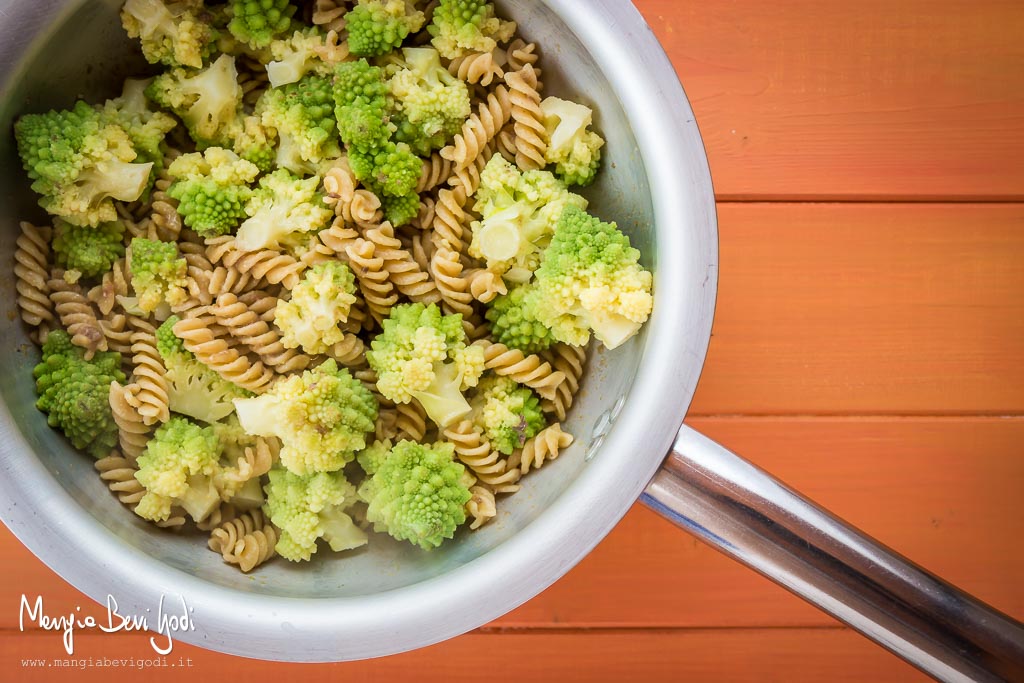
(529, 120)
(474, 451)
(76, 315)
(411, 421)
(264, 264)
(330, 14)
(118, 334)
(244, 322)
(436, 171)
(476, 67)
(132, 431)
(468, 179)
(150, 379)
(338, 238)
(570, 360)
(532, 370)
(225, 512)
(368, 376)
(374, 281)
(163, 209)
(386, 429)
(198, 337)
(116, 282)
(403, 271)
(118, 472)
(450, 218)
(252, 78)
(481, 506)
(248, 540)
(350, 351)
(480, 129)
(334, 49)
(422, 250)
(546, 445)
(485, 285)
(520, 53)
(446, 268)
(32, 271)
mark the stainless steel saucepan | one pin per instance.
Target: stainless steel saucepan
(389, 597)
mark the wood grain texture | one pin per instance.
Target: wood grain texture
(867, 308)
(725, 656)
(941, 491)
(803, 99)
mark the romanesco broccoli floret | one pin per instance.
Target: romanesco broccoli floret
(507, 412)
(255, 143)
(575, 150)
(591, 279)
(208, 101)
(193, 388)
(295, 56)
(146, 128)
(302, 113)
(401, 210)
(74, 393)
(281, 211)
(463, 26)
(90, 251)
(80, 161)
(361, 108)
(321, 416)
(518, 212)
(514, 321)
(422, 354)
(431, 104)
(177, 34)
(212, 188)
(308, 507)
(417, 493)
(257, 22)
(179, 468)
(320, 301)
(376, 27)
(158, 273)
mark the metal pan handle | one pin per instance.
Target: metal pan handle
(749, 515)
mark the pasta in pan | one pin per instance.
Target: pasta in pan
(357, 295)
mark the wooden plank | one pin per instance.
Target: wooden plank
(868, 309)
(858, 100)
(943, 491)
(725, 656)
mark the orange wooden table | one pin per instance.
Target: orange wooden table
(868, 349)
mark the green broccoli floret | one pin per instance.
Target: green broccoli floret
(361, 108)
(255, 143)
(302, 113)
(422, 354)
(90, 251)
(212, 188)
(376, 27)
(401, 210)
(417, 493)
(507, 412)
(514, 321)
(158, 274)
(146, 128)
(74, 393)
(320, 301)
(431, 104)
(463, 26)
(518, 212)
(575, 150)
(179, 34)
(321, 416)
(179, 467)
(281, 211)
(308, 507)
(295, 56)
(208, 101)
(193, 389)
(591, 279)
(257, 22)
(389, 170)
(79, 161)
